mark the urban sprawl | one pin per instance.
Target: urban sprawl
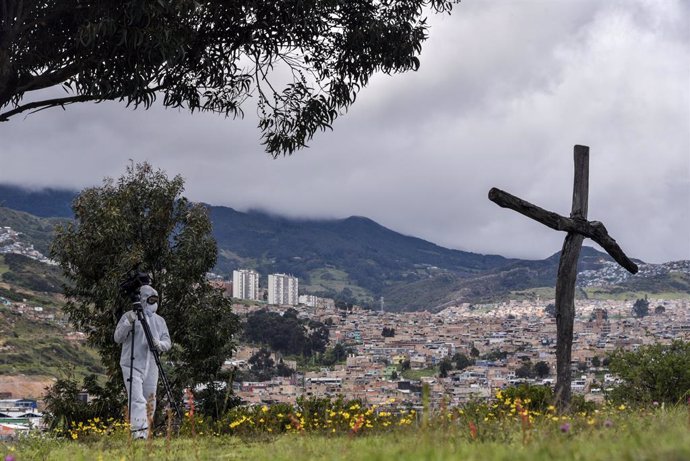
(501, 338)
(392, 355)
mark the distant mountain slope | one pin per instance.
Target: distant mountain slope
(36, 231)
(371, 255)
(45, 203)
(490, 285)
(358, 260)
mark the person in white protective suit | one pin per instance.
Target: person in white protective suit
(143, 369)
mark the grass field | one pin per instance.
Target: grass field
(660, 435)
(3, 267)
(418, 374)
(333, 279)
(599, 293)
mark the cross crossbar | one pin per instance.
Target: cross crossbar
(591, 229)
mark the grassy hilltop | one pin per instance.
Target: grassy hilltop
(609, 434)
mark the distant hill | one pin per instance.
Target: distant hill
(45, 203)
(331, 255)
(37, 231)
(357, 260)
(501, 283)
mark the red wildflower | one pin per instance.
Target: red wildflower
(473, 431)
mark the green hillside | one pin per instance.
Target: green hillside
(30, 274)
(34, 336)
(32, 346)
(35, 230)
(349, 253)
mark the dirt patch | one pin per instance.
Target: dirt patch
(25, 387)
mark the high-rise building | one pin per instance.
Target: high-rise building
(245, 284)
(282, 289)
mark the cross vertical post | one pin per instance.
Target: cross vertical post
(567, 277)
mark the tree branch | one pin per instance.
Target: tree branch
(40, 105)
(48, 79)
(593, 230)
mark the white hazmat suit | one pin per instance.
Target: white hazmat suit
(143, 367)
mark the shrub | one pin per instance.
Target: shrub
(64, 410)
(654, 373)
(540, 397)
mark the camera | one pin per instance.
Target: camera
(132, 281)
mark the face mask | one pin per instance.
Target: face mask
(149, 300)
(150, 309)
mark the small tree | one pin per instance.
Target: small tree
(143, 219)
(262, 365)
(444, 367)
(524, 371)
(542, 369)
(659, 309)
(461, 361)
(657, 372)
(641, 308)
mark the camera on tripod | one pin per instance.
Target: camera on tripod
(132, 281)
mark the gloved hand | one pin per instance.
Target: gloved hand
(157, 345)
(131, 316)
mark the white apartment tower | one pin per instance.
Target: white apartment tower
(282, 289)
(245, 284)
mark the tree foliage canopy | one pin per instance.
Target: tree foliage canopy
(304, 60)
(641, 308)
(142, 218)
(286, 333)
(657, 372)
(461, 361)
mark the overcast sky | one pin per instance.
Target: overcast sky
(505, 90)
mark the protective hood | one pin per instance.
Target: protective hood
(144, 293)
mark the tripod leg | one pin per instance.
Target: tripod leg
(128, 381)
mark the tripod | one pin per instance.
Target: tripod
(137, 307)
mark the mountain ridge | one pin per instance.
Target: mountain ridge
(357, 260)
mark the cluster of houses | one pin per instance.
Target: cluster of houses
(11, 242)
(502, 338)
(18, 416)
(612, 273)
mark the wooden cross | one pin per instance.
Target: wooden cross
(577, 228)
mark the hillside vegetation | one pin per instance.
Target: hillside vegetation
(37, 231)
(39, 347)
(30, 274)
(331, 255)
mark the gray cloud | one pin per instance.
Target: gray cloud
(505, 90)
